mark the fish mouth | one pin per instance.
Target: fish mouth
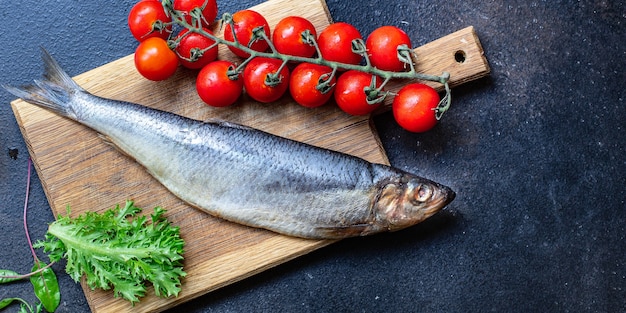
(442, 196)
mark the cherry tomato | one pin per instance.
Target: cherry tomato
(304, 81)
(147, 19)
(255, 76)
(350, 92)
(245, 22)
(155, 60)
(335, 43)
(215, 87)
(193, 49)
(187, 7)
(287, 36)
(382, 46)
(414, 107)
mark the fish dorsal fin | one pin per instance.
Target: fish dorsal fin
(227, 124)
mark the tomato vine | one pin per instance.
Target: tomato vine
(375, 92)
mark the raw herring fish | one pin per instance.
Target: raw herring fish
(245, 175)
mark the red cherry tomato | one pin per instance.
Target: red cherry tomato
(350, 92)
(255, 76)
(147, 19)
(335, 43)
(414, 107)
(208, 9)
(287, 36)
(215, 87)
(304, 81)
(382, 47)
(245, 22)
(193, 49)
(155, 60)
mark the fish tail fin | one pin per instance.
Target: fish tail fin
(53, 92)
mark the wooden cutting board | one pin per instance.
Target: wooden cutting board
(77, 169)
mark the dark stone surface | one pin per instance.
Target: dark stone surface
(536, 153)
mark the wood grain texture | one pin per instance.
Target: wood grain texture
(76, 168)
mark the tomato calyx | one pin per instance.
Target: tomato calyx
(404, 55)
(308, 38)
(258, 34)
(375, 95)
(195, 53)
(276, 78)
(197, 17)
(358, 47)
(159, 27)
(233, 73)
(325, 83)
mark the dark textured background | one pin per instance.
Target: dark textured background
(536, 153)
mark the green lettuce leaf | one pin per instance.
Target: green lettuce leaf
(119, 249)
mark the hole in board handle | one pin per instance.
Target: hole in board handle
(459, 56)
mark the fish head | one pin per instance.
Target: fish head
(411, 200)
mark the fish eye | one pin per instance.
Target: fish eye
(422, 193)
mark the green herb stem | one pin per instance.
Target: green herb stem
(30, 245)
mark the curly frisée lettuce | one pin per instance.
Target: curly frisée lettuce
(119, 249)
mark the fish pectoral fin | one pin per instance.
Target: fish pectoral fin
(344, 231)
(107, 140)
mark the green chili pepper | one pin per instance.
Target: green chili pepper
(46, 287)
